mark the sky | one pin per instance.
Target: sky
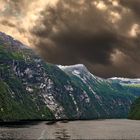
(101, 34)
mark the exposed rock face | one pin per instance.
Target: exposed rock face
(31, 88)
(102, 97)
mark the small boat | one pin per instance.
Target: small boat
(50, 122)
(64, 121)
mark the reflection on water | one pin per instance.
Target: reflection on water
(16, 131)
(104, 129)
(21, 124)
(62, 134)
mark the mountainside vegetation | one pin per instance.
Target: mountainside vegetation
(135, 110)
(30, 88)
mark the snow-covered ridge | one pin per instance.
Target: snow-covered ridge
(126, 80)
(71, 66)
(78, 69)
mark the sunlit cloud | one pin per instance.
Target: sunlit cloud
(135, 30)
(100, 5)
(114, 16)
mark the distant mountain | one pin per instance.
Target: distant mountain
(126, 80)
(135, 110)
(30, 88)
(131, 85)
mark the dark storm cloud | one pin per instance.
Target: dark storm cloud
(77, 31)
(133, 5)
(102, 34)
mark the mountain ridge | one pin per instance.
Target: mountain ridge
(45, 91)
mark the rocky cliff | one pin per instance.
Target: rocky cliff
(31, 88)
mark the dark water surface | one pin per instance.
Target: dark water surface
(100, 129)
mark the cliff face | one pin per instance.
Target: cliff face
(16, 98)
(104, 98)
(30, 88)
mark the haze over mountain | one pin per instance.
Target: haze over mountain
(31, 88)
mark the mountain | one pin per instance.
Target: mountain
(131, 85)
(127, 81)
(19, 98)
(30, 88)
(105, 99)
(135, 110)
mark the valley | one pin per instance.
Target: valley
(31, 88)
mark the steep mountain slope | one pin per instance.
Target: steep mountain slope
(45, 85)
(30, 88)
(135, 110)
(104, 98)
(16, 101)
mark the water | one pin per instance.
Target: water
(99, 129)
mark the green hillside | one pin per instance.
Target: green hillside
(135, 110)
(30, 88)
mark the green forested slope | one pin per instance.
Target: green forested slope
(135, 110)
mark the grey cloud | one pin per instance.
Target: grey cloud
(81, 33)
(76, 31)
(76, 34)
